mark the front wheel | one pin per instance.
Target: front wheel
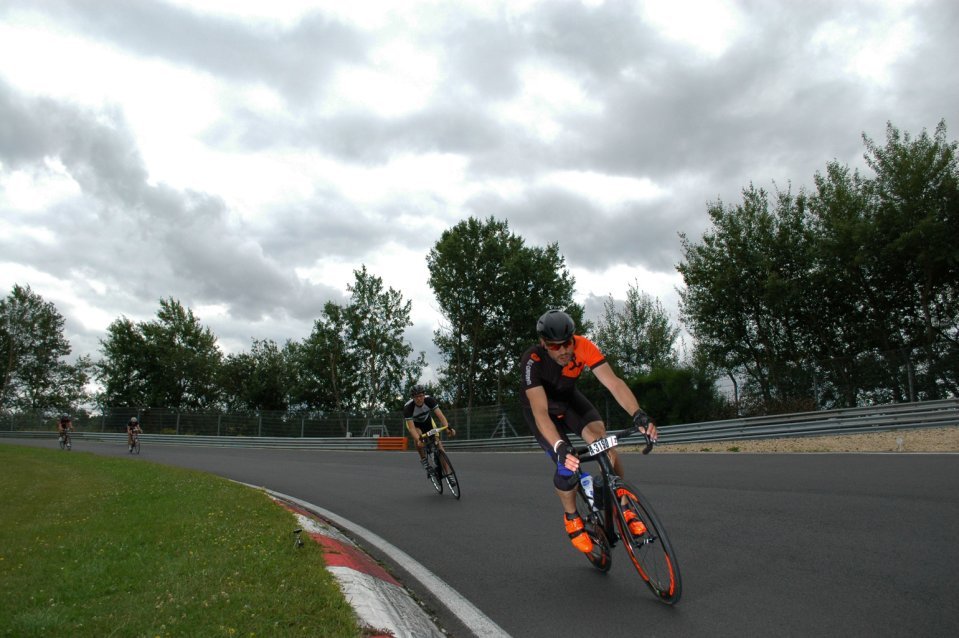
(63, 442)
(136, 445)
(434, 473)
(600, 557)
(651, 552)
(449, 474)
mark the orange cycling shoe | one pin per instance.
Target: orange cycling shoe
(577, 533)
(636, 526)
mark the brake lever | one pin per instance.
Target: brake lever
(649, 442)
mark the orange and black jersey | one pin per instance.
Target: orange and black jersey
(537, 369)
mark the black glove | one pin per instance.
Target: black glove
(563, 449)
(640, 418)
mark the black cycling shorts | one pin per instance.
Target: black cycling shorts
(579, 413)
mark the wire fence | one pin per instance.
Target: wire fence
(869, 379)
(474, 423)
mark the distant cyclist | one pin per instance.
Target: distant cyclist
(64, 425)
(133, 427)
(418, 414)
(553, 408)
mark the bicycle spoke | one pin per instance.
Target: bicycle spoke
(650, 551)
(449, 474)
(601, 556)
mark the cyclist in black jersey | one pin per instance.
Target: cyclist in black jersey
(418, 414)
(553, 408)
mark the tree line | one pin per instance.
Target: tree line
(840, 296)
(800, 300)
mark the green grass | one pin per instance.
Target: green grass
(94, 546)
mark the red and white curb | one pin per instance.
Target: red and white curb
(380, 601)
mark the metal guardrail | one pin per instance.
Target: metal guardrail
(828, 422)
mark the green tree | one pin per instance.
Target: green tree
(124, 364)
(491, 287)
(748, 300)
(886, 246)
(375, 321)
(844, 296)
(638, 338)
(262, 379)
(33, 349)
(357, 359)
(326, 369)
(172, 362)
(679, 395)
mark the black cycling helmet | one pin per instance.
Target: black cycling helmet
(556, 325)
(417, 389)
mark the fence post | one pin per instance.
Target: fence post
(178, 423)
(259, 424)
(302, 425)
(912, 391)
(219, 419)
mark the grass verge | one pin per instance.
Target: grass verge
(93, 546)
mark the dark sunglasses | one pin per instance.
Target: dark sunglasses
(552, 345)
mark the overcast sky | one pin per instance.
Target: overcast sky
(247, 156)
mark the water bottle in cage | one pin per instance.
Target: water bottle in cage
(587, 482)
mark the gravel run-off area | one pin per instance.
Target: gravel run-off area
(903, 441)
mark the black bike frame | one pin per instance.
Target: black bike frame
(611, 480)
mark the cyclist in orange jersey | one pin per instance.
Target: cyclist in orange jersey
(64, 425)
(553, 408)
(133, 427)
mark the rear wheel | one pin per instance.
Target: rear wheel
(449, 474)
(600, 557)
(651, 552)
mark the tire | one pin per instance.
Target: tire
(601, 557)
(652, 554)
(434, 473)
(449, 475)
(63, 442)
(136, 445)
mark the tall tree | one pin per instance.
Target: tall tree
(357, 359)
(33, 351)
(326, 370)
(172, 362)
(747, 299)
(639, 337)
(124, 365)
(893, 265)
(491, 287)
(849, 293)
(375, 321)
(262, 379)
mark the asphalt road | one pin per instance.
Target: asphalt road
(769, 545)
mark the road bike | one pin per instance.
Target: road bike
(603, 502)
(438, 466)
(135, 443)
(66, 441)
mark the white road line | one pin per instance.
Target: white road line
(467, 612)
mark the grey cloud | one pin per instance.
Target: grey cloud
(589, 236)
(364, 138)
(297, 61)
(149, 241)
